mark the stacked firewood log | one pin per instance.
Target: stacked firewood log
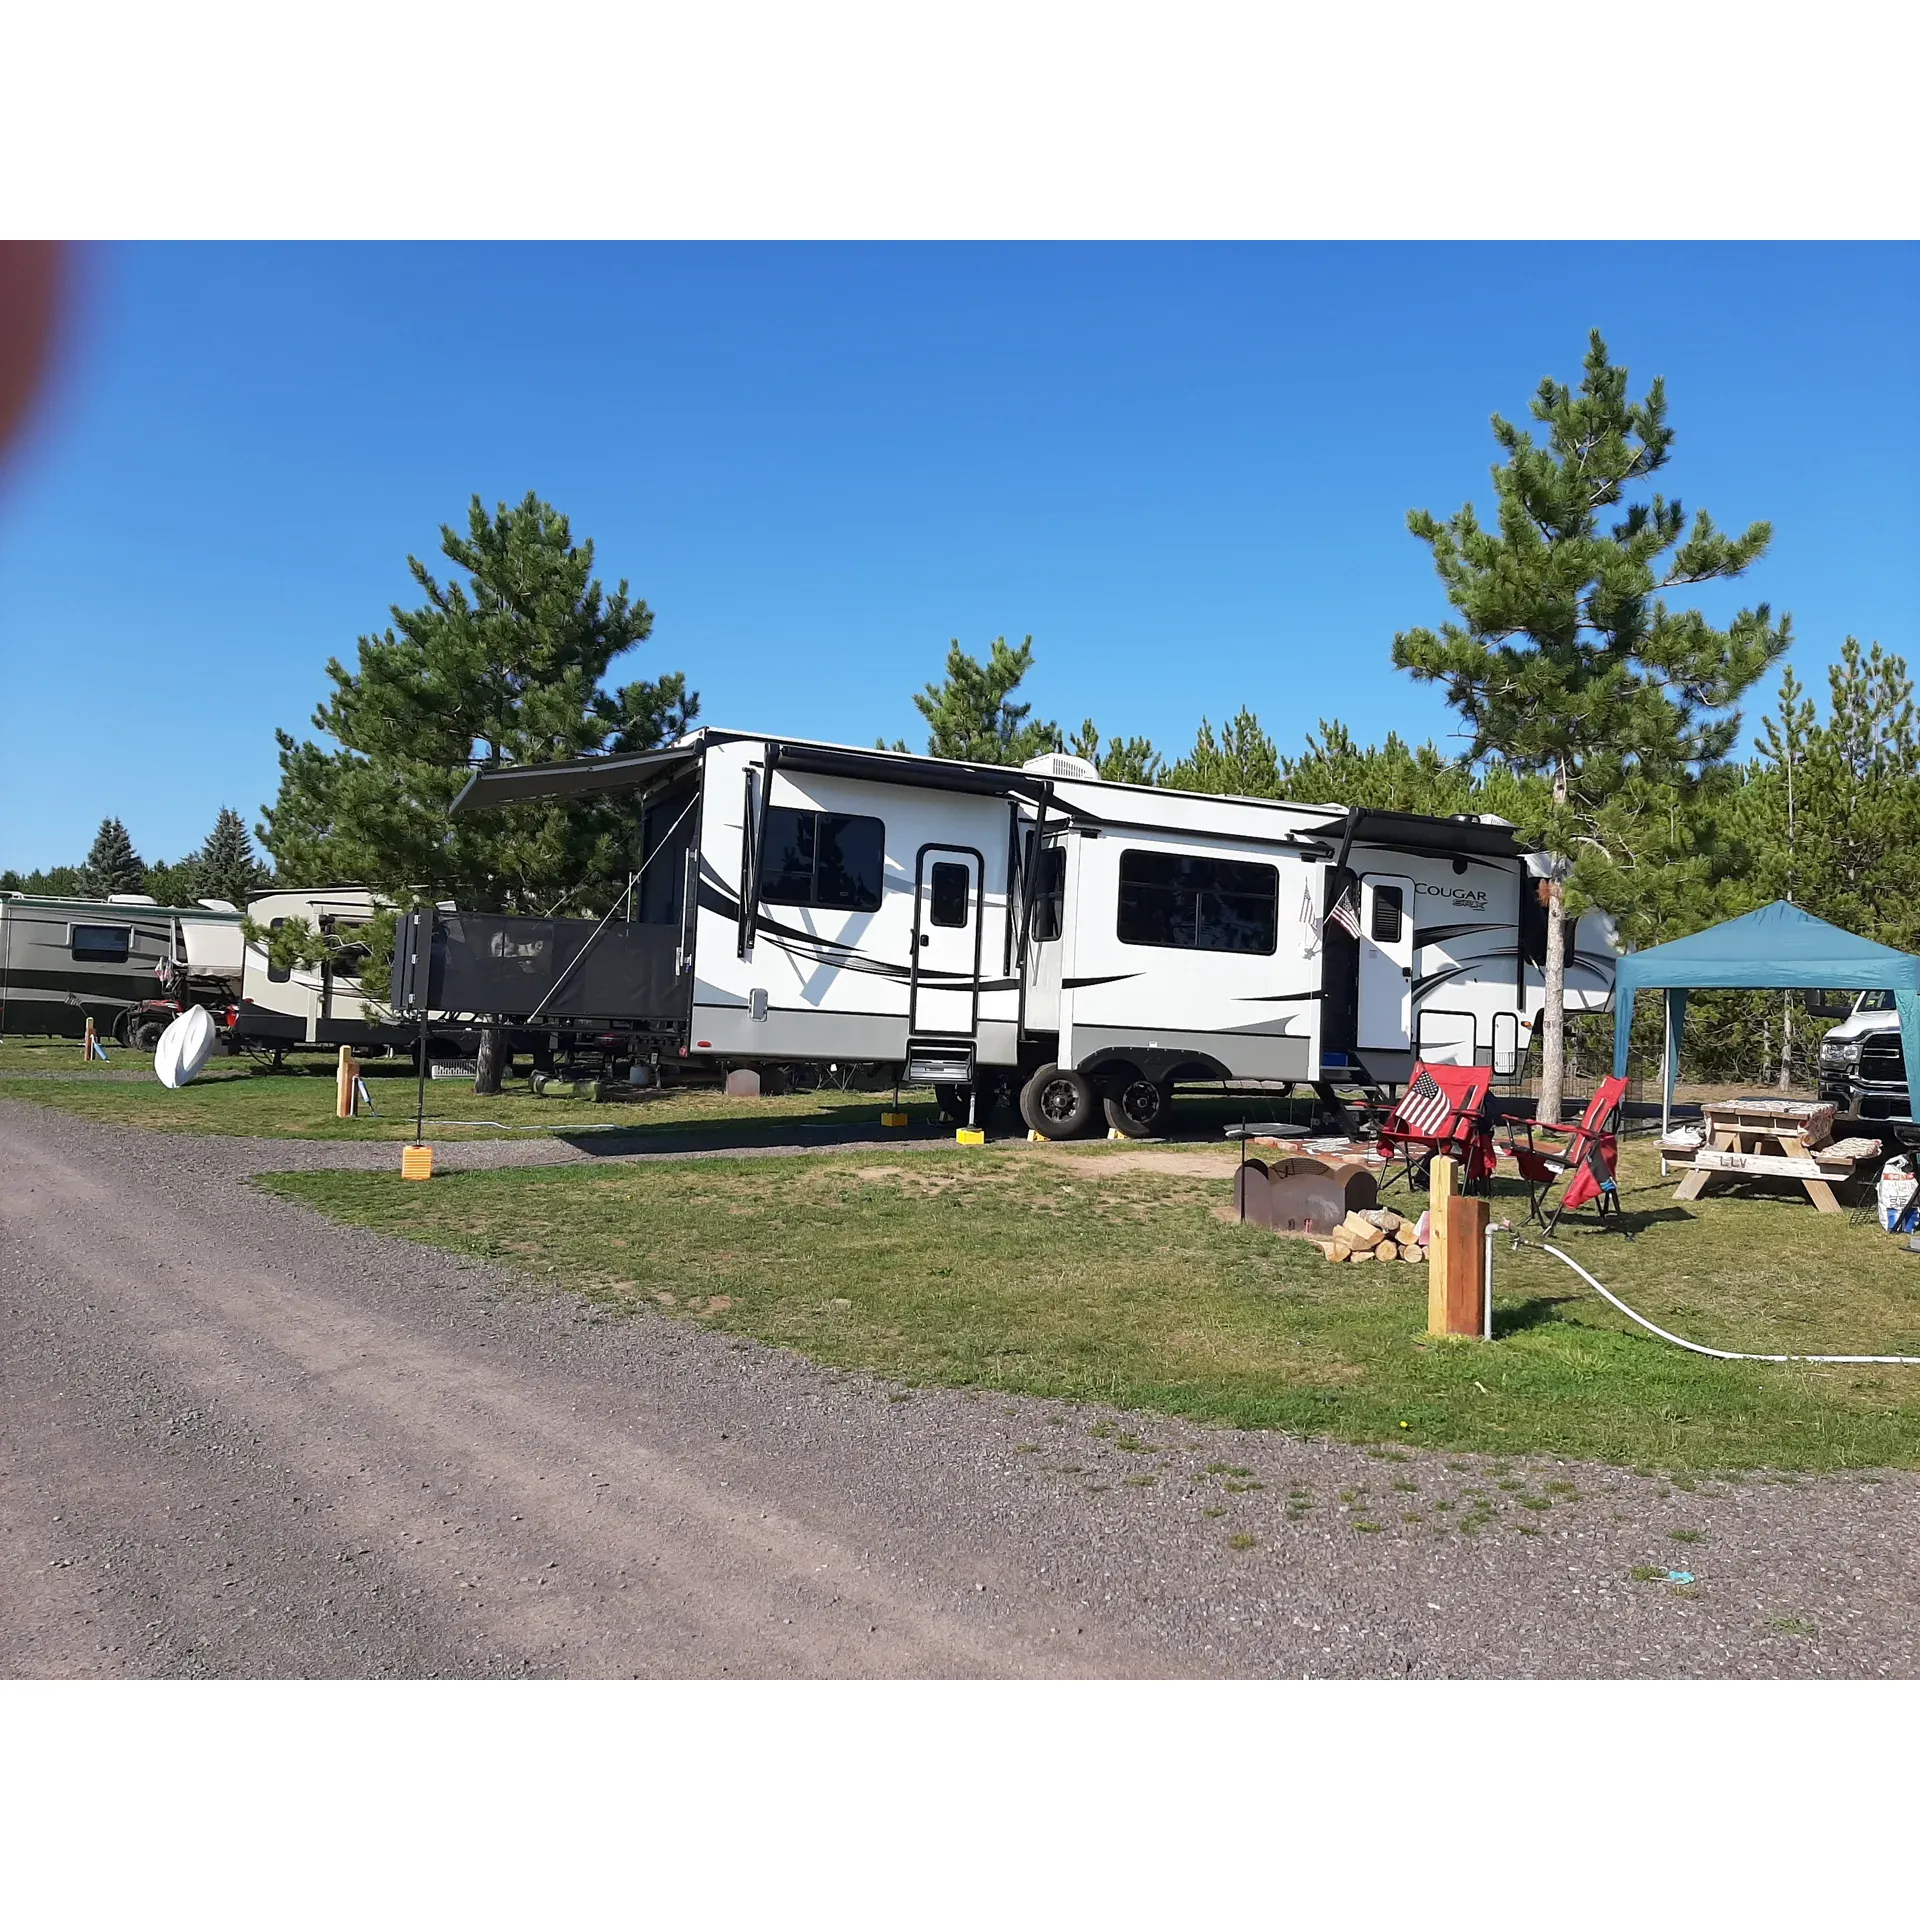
(1377, 1233)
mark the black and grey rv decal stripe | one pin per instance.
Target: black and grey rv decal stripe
(1429, 936)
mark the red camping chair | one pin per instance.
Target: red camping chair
(1443, 1111)
(1590, 1153)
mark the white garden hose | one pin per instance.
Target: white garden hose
(1714, 1353)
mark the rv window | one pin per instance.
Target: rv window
(1384, 923)
(108, 945)
(823, 859)
(278, 975)
(344, 961)
(1050, 892)
(1183, 900)
(951, 892)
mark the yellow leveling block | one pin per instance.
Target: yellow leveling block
(970, 1136)
(416, 1163)
(893, 1118)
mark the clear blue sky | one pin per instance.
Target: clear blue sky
(1185, 470)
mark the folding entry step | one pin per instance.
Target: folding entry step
(940, 1062)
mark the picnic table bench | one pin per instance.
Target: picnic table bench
(1760, 1137)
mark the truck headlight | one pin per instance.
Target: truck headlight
(1839, 1053)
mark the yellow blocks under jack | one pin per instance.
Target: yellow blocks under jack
(970, 1136)
(416, 1163)
(893, 1117)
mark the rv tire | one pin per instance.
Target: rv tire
(1138, 1108)
(1058, 1103)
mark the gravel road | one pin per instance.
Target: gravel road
(240, 1440)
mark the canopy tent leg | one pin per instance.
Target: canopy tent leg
(1666, 1056)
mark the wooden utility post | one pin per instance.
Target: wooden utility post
(343, 1081)
(1456, 1255)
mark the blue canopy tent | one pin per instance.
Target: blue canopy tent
(1779, 946)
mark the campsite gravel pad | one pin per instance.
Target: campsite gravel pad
(241, 1440)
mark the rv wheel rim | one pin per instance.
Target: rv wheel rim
(1141, 1102)
(1057, 1100)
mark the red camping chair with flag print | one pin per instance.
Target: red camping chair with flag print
(1443, 1111)
(1589, 1151)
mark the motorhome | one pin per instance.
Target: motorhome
(1037, 931)
(322, 1004)
(64, 962)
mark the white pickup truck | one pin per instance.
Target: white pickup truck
(1862, 1068)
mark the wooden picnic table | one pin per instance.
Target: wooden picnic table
(1760, 1137)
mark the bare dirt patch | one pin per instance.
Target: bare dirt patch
(1121, 1166)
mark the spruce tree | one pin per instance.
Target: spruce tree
(1566, 659)
(113, 866)
(225, 868)
(503, 669)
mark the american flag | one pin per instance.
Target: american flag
(1423, 1106)
(1345, 913)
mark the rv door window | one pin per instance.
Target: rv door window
(107, 946)
(1050, 892)
(1184, 900)
(951, 894)
(1387, 909)
(277, 974)
(823, 859)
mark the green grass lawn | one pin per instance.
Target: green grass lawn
(1009, 1267)
(240, 1097)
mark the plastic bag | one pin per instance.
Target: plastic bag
(1898, 1187)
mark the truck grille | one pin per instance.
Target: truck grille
(1881, 1061)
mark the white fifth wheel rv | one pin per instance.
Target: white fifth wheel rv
(1084, 943)
(325, 1005)
(64, 962)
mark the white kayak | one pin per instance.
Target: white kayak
(185, 1047)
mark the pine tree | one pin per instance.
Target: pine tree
(1566, 660)
(113, 866)
(224, 868)
(1242, 760)
(502, 670)
(972, 715)
(1132, 761)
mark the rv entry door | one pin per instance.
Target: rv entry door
(1386, 961)
(946, 941)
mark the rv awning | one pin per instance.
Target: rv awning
(564, 779)
(905, 770)
(1417, 833)
(1778, 946)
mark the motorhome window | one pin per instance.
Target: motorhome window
(823, 859)
(1384, 922)
(103, 945)
(279, 975)
(951, 893)
(1185, 900)
(1050, 893)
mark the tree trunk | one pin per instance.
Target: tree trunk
(490, 1063)
(1553, 1015)
(1786, 1042)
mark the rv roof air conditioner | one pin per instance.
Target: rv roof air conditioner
(1060, 766)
